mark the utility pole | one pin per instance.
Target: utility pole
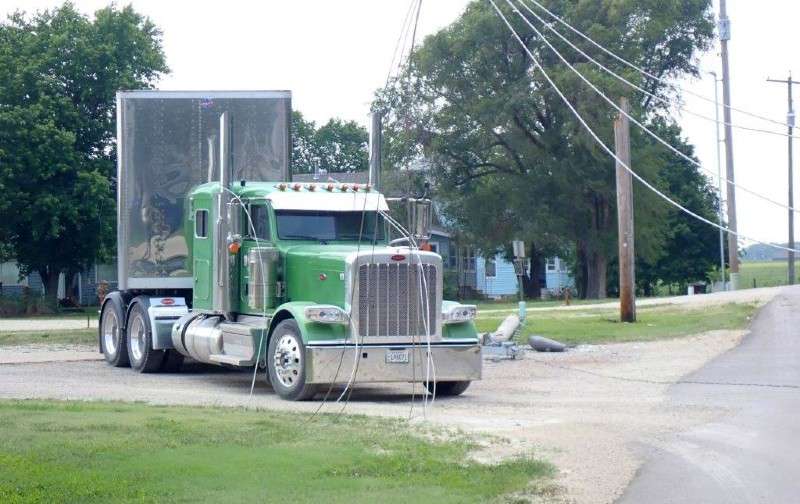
(627, 272)
(720, 180)
(790, 122)
(724, 27)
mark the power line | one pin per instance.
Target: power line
(634, 120)
(611, 152)
(641, 89)
(402, 38)
(645, 72)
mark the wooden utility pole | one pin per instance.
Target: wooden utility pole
(724, 28)
(627, 272)
(790, 124)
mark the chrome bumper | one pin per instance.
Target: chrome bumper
(334, 363)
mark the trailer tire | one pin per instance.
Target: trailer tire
(140, 341)
(173, 360)
(112, 335)
(286, 363)
(448, 388)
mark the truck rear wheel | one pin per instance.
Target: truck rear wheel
(140, 342)
(448, 388)
(112, 336)
(286, 362)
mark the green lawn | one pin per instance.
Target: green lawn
(115, 452)
(88, 336)
(764, 273)
(602, 326)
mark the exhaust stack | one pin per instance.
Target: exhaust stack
(375, 149)
(222, 236)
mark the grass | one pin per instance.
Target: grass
(514, 305)
(76, 336)
(764, 273)
(602, 326)
(115, 452)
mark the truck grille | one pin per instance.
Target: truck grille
(392, 300)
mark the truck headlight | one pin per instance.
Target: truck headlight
(460, 313)
(327, 314)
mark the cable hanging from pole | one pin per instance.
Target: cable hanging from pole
(637, 122)
(611, 153)
(641, 89)
(645, 72)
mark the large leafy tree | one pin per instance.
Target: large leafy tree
(59, 72)
(499, 138)
(337, 146)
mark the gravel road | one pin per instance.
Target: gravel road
(582, 410)
(589, 411)
(46, 324)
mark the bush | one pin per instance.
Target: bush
(27, 304)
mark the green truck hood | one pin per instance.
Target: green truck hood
(315, 272)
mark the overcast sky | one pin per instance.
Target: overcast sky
(332, 55)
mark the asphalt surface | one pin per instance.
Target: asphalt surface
(751, 452)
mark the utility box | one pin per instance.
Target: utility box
(168, 143)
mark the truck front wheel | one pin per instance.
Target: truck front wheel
(286, 362)
(448, 388)
(140, 342)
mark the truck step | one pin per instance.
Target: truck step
(233, 360)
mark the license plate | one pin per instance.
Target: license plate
(397, 356)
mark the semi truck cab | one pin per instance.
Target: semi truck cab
(302, 278)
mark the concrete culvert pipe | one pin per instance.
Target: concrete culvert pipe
(506, 330)
(541, 344)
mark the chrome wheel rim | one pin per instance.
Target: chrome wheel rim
(110, 331)
(136, 335)
(287, 361)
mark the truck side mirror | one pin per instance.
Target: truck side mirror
(420, 216)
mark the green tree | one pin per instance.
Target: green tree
(336, 147)
(508, 157)
(59, 72)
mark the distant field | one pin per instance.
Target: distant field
(602, 326)
(764, 273)
(115, 452)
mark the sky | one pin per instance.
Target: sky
(332, 55)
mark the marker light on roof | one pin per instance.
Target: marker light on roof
(311, 187)
(281, 187)
(297, 187)
(330, 187)
(344, 188)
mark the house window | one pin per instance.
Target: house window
(434, 246)
(201, 223)
(491, 268)
(552, 265)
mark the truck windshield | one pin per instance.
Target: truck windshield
(329, 226)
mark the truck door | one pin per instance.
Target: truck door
(257, 234)
(202, 254)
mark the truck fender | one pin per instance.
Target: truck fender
(309, 331)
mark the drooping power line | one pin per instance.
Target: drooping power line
(637, 122)
(642, 70)
(610, 152)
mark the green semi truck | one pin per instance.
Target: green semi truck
(225, 260)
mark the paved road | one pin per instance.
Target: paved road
(751, 453)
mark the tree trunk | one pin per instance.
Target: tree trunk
(596, 282)
(50, 282)
(531, 283)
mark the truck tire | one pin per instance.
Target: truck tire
(112, 335)
(140, 341)
(448, 388)
(286, 363)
